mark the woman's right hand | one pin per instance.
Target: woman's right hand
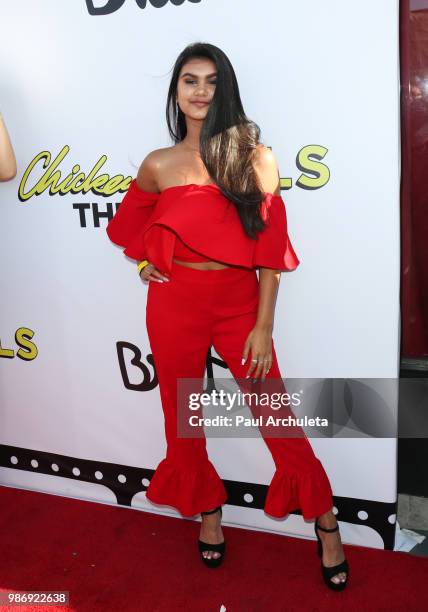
(151, 273)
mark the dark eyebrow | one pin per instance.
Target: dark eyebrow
(195, 75)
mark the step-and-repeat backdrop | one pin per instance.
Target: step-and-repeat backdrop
(83, 92)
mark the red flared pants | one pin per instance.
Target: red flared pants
(186, 315)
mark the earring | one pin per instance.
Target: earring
(176, 114)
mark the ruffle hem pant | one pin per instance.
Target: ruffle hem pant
(185, 316)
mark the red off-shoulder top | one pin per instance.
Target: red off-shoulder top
(147, 224)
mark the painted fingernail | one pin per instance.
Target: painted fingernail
(243, 361)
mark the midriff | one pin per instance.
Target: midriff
(205, 265)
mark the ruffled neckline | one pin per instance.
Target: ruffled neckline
(187, 185)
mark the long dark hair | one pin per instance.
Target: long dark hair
(228, 138)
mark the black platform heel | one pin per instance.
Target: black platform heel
(204, 546)
(329, 572)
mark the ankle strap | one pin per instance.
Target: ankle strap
(212, 511)
(324, 529)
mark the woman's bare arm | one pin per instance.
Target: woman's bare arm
(268, 174)
(260, 339)
(146, 180)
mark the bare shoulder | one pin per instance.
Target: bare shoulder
(266, 168)
(151, 167)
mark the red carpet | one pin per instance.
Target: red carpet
(112, 558)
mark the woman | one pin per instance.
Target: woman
(203, 215)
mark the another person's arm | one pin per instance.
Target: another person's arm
(7, 155)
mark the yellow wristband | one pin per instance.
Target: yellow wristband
(142, 265)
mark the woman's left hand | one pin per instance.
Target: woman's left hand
(259, 342)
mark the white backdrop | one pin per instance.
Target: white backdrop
(319, 75)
